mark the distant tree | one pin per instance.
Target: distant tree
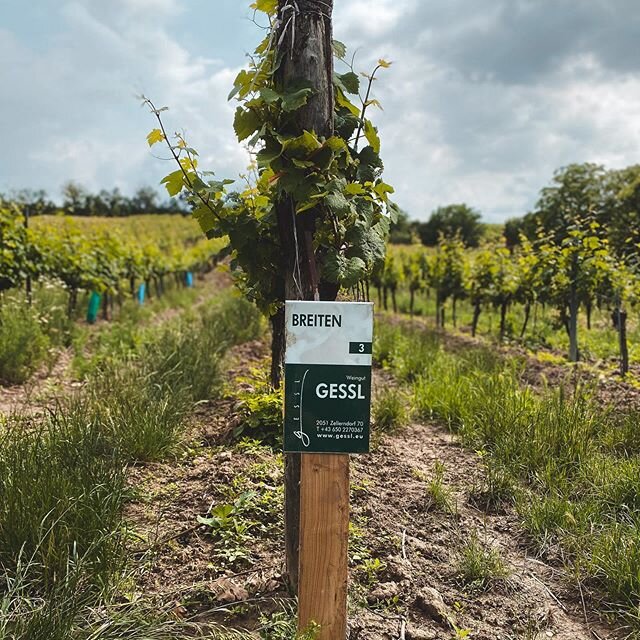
(578, 191)
(35, 201)
(74, 199)
(621, 215)
(402, 231)
(452, 221)
(145, 200)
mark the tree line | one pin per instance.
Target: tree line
(586, 191)
(79, 201)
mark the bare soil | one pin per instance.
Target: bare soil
(414, 592)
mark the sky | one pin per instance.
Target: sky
(484, 100)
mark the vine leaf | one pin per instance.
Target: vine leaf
(155, 135)
(173, 182)
(346, 271)
(301, 146)
(296, 97)
(350, 82)
(339, 49)
(245, 122)
(371, 135)
(266, 6)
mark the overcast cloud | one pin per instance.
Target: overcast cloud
(484, 100)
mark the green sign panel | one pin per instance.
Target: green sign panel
(328, 376)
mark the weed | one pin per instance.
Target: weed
(228, 523)
(282, 625)
(254, 509)
(461, 634)
(372, 567)
(440, 496)
(259, 409)
(359, 552)
(479, 566)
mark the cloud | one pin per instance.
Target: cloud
(483, 102)
(483, 105)
(74, 104)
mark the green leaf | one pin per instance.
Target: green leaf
(323, 158)
(242, 84)
(336, 144)
(337, 203)
(206, 219)
(339, 49)
(245, 122)
(270, 96)
(343, 101)
(350, 82)
(272, 150)
(304, 206)
(344, 271)
(371, 134)
(173, 182)
(383, 189)
(266, 6)
(296, 96)
(370, 164)
(301, 146)
(154, 136)
(354, 189)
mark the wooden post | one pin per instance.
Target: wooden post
(305, 44)
(324, 538)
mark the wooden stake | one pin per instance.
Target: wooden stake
(324, 538)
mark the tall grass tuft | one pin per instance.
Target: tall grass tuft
(390, 410)
(23, 342)
(61, 495)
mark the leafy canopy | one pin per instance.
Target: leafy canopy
(337, 177)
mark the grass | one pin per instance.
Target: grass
(24, 344)
(479, 565)
(63, 544)
(439, 495)
(389, 410)
(570, 465)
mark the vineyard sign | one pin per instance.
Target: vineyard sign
(328, 376)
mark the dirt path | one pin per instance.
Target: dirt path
(404, 550)
(534, 600)
(53, 381)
